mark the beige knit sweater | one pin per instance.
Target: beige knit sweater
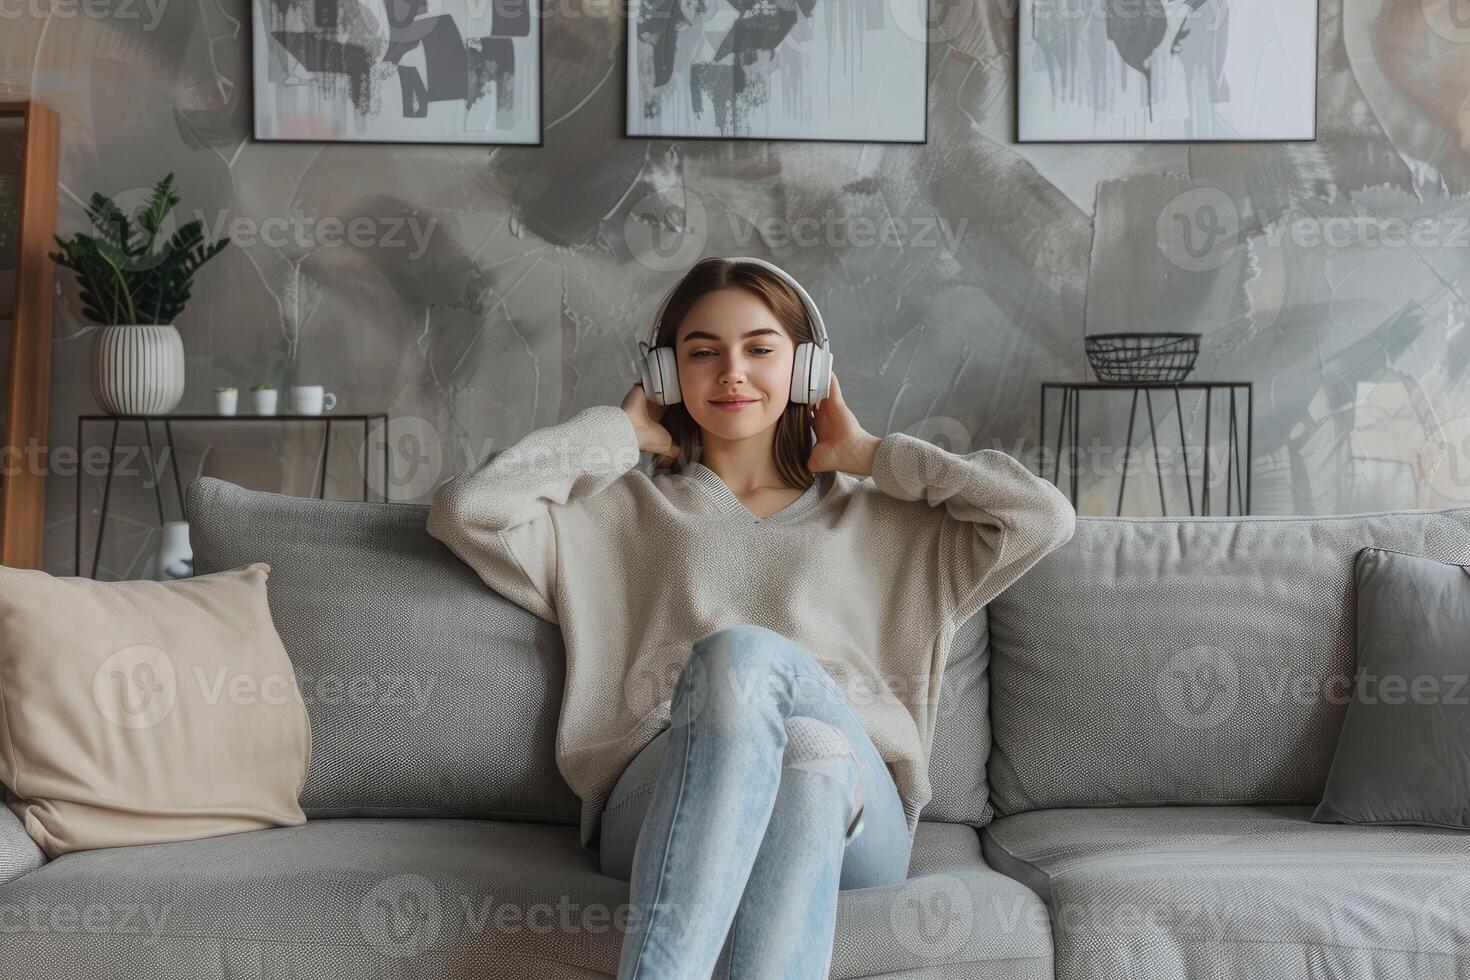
(871, 576)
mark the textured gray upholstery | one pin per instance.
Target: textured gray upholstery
(18, 853)
(962, 730)
(406, 898)
(428, 694)
(1403, 756)
(1186, 661)
(361, 594)
(1147, 661)
(1242, 893)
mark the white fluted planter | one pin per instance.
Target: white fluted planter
(138, 369)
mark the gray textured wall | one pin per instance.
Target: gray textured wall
(516, 282)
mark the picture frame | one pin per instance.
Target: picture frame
(472, 73)
(1166, 71)
(770, 69)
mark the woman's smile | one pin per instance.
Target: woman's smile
(734, 406)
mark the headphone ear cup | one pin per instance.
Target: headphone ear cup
(648, 375)
(821, 374)
(661, 376)
(801, 367)
(811, 374)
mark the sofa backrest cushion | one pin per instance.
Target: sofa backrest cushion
(962, 731)
(431, 695)
(428, 694)
(1171, 661)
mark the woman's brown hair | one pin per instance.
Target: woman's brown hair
(794, 436)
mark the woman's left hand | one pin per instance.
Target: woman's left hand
(842, 443)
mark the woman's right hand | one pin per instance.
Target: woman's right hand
(652, 437)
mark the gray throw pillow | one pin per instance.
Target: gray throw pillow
(1404, 753)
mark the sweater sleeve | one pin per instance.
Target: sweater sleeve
(496, 515)
(997, 518)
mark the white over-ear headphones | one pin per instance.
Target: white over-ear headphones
(811, 373)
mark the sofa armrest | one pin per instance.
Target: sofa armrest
(18, 853)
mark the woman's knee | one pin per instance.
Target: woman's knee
(748, 649)
(737, 669)
(741, 636)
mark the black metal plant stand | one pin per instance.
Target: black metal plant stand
(1235, 474)
(168, 420)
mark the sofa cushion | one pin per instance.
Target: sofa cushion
(1230, 892)
(1404, 753)
(1155, 661)
(962, 730)
(412, 898)
(137, 712)
(428, 694)
(18, 853)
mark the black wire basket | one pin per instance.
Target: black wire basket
(1142, 356)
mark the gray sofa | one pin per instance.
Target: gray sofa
(1130, 743)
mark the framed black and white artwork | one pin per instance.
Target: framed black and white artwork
(397, 71)
(778, 69)
(1169, 70)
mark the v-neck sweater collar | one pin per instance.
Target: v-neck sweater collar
(723, 497)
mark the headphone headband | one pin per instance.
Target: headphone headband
(819, 327)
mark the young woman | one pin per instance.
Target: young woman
(755, 633)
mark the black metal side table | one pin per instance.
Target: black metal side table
(1070, 422)
(168, 420)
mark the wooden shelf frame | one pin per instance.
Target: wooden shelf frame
(28, 389)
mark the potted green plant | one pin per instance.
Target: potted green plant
(134, 285)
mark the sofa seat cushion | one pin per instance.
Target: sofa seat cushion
(388, 898)
(1205, 892)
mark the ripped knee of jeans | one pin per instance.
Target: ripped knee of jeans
(813, 745)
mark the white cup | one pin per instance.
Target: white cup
(226, 400)
(312, 400)
(265, 401)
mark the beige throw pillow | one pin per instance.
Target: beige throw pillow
(136, 712)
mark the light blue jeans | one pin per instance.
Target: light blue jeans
(735, 827)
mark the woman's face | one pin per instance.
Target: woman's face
(731, 344)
